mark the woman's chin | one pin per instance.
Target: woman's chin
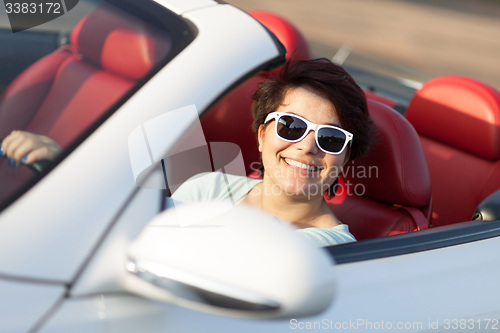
(306, 190)
(283, 182)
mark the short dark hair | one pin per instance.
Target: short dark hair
(331, 81)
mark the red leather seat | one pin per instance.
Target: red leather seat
(387, 191)
(379, 98)
(230, 120)
(62, 94)
(458, 120)
(403, 177)
(293, 40)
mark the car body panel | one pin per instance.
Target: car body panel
(105, 272)
(24, 303)
(180, 7)
(417, 288)
(111, 313)
(392, 293)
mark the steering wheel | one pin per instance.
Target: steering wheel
(36, 167)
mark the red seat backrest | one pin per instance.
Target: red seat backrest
(387, 191)
(379, 98)
(458, 120)
(66, 91)
(230, 120)
(62, 94)
(291, 37)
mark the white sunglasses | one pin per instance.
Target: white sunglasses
(293, 128)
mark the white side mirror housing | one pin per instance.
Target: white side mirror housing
(232, 260)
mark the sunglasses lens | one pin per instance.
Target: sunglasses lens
(291, 128)
(331, 139)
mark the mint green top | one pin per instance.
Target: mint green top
(220, 186)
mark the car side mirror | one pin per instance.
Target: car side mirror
(232, 260)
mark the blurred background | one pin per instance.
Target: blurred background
(429, 37)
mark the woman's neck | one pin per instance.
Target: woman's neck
(301, 211)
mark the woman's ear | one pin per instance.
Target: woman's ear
(260, 136)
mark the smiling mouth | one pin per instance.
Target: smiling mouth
(303, 166)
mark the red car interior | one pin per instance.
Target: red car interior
(387, 191)
(66, 91)
(239, 124)
(397, 198)
(382, 99)
(458, 121)
(287, 34)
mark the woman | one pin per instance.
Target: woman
(310, 121)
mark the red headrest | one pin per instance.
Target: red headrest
(394, 171)
(461, 112)
(119, 42)
(286, 33)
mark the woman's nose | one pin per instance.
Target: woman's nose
(308, 144)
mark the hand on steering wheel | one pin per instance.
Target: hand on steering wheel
(32, 150)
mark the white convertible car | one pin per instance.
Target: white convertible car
(141, 95)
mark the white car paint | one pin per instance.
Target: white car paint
(25, 302)
(181, 6)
